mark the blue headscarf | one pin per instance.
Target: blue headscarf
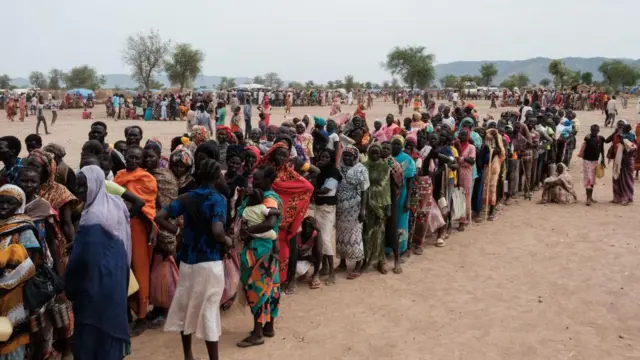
(320, 121)
(474, 136)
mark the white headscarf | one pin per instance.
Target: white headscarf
(12, 190)
(105, 209)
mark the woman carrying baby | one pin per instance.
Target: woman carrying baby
(259, 266)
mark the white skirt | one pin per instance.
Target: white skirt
(196, 305)
(326, 218)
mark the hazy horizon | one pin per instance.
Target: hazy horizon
(317, 41)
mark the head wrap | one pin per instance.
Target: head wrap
(16, 193)
(199, 134)
(319, 121)
(183, 155)
(374, 145)
(155, 144)
(397, 137)
(254, 150)
(349, 149)
(267, 158)
(107, 210)
(231, 138)
(56, 150)
(47, 161)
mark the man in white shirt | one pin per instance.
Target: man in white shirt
(612, 111)
(525, 109)
(454, 98)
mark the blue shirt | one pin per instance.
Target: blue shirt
(10, 176)
(198, 244)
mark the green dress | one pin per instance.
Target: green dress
(259, 270)
(379, 197)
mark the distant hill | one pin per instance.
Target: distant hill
(535, 68)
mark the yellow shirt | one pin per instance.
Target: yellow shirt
(453, 174)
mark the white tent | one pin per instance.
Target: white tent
(250, 87)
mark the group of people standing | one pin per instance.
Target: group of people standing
(280, 202)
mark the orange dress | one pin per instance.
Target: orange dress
(143, 185)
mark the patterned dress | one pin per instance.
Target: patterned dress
(348, 227)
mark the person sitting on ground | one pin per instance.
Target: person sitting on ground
(558, 187)
(306, 251)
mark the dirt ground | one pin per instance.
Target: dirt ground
(542, 282)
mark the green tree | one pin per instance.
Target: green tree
(338, 84)
(273, 80)
(330, 84)
(617, 73)
(412, 65)
(309, 84)
(56, 77)
(368, 85)
(519, 80)
(562, 75)
(487, 72)
(349, 83)
(184, 66)
(5, 81)
(395, 84)
(38, 79)
(450, 81)
(145, 54)
(545, 82)
(296, 85)
(84, 77)
(586, 78)
(385, 85)
(258, 80)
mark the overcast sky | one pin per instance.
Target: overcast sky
(314, 40)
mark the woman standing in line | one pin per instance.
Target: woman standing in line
(295, 193)
(466, 161)
(195, 308)
(409, 171)
(144, 185)
(325, 209)
(98, 272)
(259, 264)
(351, 210)
(378, 208)
(492, 171)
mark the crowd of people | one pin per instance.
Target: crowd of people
(276, 203)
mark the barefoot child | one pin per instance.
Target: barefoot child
(306, 251)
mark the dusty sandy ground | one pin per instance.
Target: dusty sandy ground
(542, 282)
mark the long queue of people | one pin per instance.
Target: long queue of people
(283, 203)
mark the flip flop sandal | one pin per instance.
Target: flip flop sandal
(249, 342)
(440, 242)
(353, 276)
(315, 285)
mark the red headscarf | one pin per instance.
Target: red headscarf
(295, 193)
(256, 151)
(230, 136)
